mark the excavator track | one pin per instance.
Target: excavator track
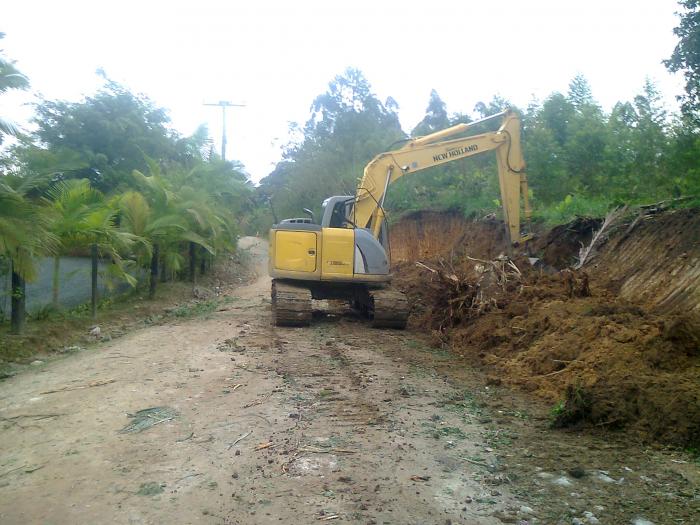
(291, 305)
(388, 309)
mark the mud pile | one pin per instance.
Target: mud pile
(614, 346)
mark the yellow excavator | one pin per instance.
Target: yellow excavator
(346, 256)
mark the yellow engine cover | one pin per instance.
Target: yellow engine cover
(295, 251)
(338, 253)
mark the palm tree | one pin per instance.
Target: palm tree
(80, 217)
(69, 204)
(157, 226)
(106, 239)
(160, 215)
(23, 235)
(10, 78)
(212, 195)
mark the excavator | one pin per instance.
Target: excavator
(346, 256)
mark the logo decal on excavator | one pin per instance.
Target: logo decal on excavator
(338, 263)
(456, 152)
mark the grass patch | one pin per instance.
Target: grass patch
(448, 432)
(200, 308)
(462, 402)
(326, 392)
(437, 431)
(150, 488)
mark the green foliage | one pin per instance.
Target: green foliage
(10, 78)
(686, 57)
(580, 160)
(348, 127)
(111, 131)
(200, 308)
(573, 206)
(109, 172)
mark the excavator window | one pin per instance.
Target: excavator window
(340, 215)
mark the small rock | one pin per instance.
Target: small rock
(562, 481)
(526, 510)
(37, 363)
(604, 478)
(590, 518)
(577, 472)
(641, 521)
(95, 331)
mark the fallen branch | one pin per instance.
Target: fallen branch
(11, 471)
(420, 478)
(248, 369)
(239, 440)
(586, 251)
(80, 387)
(327, 451)
(258, 401)
(479, 463)
(35, 416)
(188, 476)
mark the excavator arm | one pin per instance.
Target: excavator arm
(438, 148)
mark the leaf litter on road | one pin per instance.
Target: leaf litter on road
(147, 418)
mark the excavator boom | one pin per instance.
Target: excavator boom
(436, 149)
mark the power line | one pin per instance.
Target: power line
(223, 104)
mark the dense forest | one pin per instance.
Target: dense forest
(109, 177)
(580, 159)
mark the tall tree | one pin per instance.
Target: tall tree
(435, 116)
(111, 131)
(686, 57)
(580, 93)
(348, 126)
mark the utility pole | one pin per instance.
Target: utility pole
(223, 104)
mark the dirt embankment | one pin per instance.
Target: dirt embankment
(616, 345)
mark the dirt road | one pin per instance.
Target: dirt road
(256, 424)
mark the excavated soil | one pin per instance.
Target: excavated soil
(615, 345)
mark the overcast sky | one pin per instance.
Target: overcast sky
(277, 56)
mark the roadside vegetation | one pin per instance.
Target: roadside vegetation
(107, 177)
